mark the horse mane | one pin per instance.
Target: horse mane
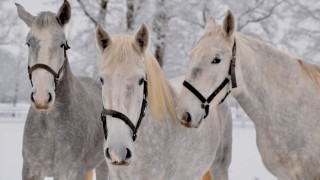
(160, 96)
(45, 19)
(312, 70)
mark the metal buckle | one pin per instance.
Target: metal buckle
(229, 84)
(204, 105)
(134, 136)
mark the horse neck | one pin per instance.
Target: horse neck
(64, 89)
(268, 77)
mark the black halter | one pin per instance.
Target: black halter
(231, 77)
(55, 75)
(124, 118)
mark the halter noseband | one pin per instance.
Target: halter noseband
(124, 118)
(55, 75)
(231, 77)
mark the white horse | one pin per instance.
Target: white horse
(132, 82)
(280, 94)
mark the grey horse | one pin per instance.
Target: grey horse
(63, 137)
(160, 148)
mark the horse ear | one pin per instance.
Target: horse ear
(25, 15)
(141, 38)
(229, 24)
(211, 23)
(64, 13)
(103, 39)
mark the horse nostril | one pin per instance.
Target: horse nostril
(50, 97)
(107, 153)
(129, 155)
(186, 116)
(32, 99)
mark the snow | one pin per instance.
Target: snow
(10, 151)
(246, 162)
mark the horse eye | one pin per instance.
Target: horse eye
(140, 81)
(101, 81)
(28, 44)
(216, 60)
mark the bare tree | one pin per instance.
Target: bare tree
(135, 13)
(303, 39)
(130, 14)
(95, 19)
(160, 28)
(87, 56)
(249, 12)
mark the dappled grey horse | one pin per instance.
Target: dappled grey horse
(144, 139)
(280, 93)
(63, 137)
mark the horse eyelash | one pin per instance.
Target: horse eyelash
(216, 60)
(28, 44)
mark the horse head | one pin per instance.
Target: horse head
(47, 47)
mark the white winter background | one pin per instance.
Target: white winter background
(290, 25)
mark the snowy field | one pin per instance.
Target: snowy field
(246, 162)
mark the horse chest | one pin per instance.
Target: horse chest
(168, 152)
(52, 144)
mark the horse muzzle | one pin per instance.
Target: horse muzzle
(122, 158)
(41, 102)
(186, 121)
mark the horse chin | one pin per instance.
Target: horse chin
(42, 107)
(121, 163)
(200, 121)
(188, 124)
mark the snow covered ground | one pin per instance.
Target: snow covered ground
(246, 162)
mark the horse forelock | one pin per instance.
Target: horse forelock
(120, 51)
(46, 19)
(209, 33)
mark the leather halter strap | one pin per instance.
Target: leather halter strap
(124, 118)
(55, 75)
(231, 77)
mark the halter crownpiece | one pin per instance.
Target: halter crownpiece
(124, 118)
(231, 77)
(55, 75)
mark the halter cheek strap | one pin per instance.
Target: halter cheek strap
(124, 118)
(55, 75)
(231, 77)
